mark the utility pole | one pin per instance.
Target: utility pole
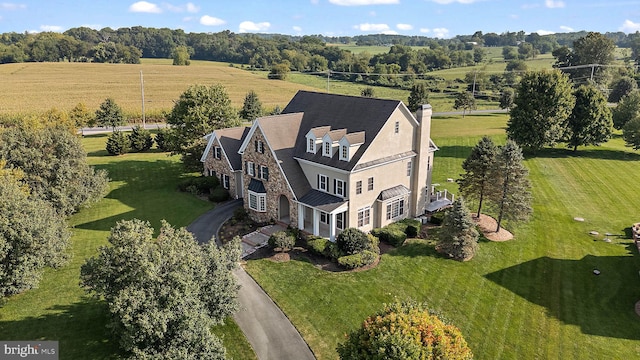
(328, 74)
(142, 92)
(473, 90)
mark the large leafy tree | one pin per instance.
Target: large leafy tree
(405, 331)
(513, 196)
(459, 237)
(109, 114)
(543, 102)
(592, 49)
(621, 88)
(419, 96)
(199, 110)
(252, 107)
(32, 235)
(628, 108)
(164, 295)
(478, 180)
(81, 116)
(465, 101)
(590, 121)
(181, 56)
(54, 165)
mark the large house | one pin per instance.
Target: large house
(328, 162)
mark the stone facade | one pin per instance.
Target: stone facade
(220, 167)
(275, 186)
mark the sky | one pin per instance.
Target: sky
(432, 18)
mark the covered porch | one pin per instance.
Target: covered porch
(322, 214)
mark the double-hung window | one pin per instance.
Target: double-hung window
(364, 216)
(395, 209)
(217, 152)
(263, 172)
(409, 168)
(326, 149)
(323, 183)
(359, 187)
(257, 201)
(370, 184)
(340, 188)
(251, 168)
(311, 146)
(225, 181)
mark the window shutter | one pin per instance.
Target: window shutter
(318, 182)
(253, 167)
(255, 144)
(334, 186)
(246, 168)
(266, 173)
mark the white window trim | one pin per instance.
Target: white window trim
(394, 206)
(409, 168)
(250, 168)
(344, 152)
(370, 184)
(311, 145)
(217, 152)
(340, 188)
(261, 172)
(364, 216)
(326, 146)
(326, 182)
(225, 181)
(343, 217)
(260, 201)
(396, 128)
(358, 187)
(260, 147)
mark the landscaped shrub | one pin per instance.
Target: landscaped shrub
(391, 234)
(117, 143)
(199, 185)
(332, 251)
(412, 227)
(317, 245)
(140, 139)
(240, 214)
(162, 140)
(360, 259)
(219, 194)
(352, 241)
(282, 240)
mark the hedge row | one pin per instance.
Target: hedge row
(396, 233)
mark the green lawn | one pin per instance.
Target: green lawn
(142, 186)
(534, 297)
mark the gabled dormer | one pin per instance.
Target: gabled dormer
(349, 145)
(314, 138)
(330, 141)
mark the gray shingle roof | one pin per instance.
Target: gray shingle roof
(231, 139)
(392, 192)
(256, 186)
(352, 113)
(321, 200)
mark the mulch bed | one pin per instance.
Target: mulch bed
(488, 225)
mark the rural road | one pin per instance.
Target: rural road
(265, 326)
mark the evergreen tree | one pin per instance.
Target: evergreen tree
(140, 139)
(631, 133)
(200, 110)
(252, 107)
(164, 295)
(109, 114)
(117, 143)
(590, 121)
(459, 237)
(479, 177)
(513, 197)
(543, 102)
(419, 96)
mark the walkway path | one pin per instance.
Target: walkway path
(265, 326)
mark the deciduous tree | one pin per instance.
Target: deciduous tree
(405, 331)
(621, 88)
(628, 108)
(81, 116)
(506, 98)
(199, 110)
(164, 295)
(513, 196)
(543, 102)
(32, 235)
(478, 180)
(465, 101)
(590, 121)
(181, 56)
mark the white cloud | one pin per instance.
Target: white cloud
(447, 2)
(372, 27)
(629, 27)
(192, 8)
(145, 7)
(390, 32)
(544, 32)
(297, 29)
(250, 26)
(440, 33)
(552, 4)
(566, 28)
(211, 21)
(12, 6)
(404, 27)
(363, 2)
(425, 30)
(53, 28)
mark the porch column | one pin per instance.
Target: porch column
(300, 216)
(316, 222)
(332, 227)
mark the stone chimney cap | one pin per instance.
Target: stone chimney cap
(426, 106)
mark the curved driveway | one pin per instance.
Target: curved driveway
(265, 326)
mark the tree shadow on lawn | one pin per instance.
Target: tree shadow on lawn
(571, 292)
(144, 184)
(80, 329)
(454, 151)
(605, 154)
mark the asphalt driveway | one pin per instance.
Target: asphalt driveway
(265, 326)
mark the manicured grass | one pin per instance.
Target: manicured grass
(142, 186)
(534, 297)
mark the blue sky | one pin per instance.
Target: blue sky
(433, 18)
